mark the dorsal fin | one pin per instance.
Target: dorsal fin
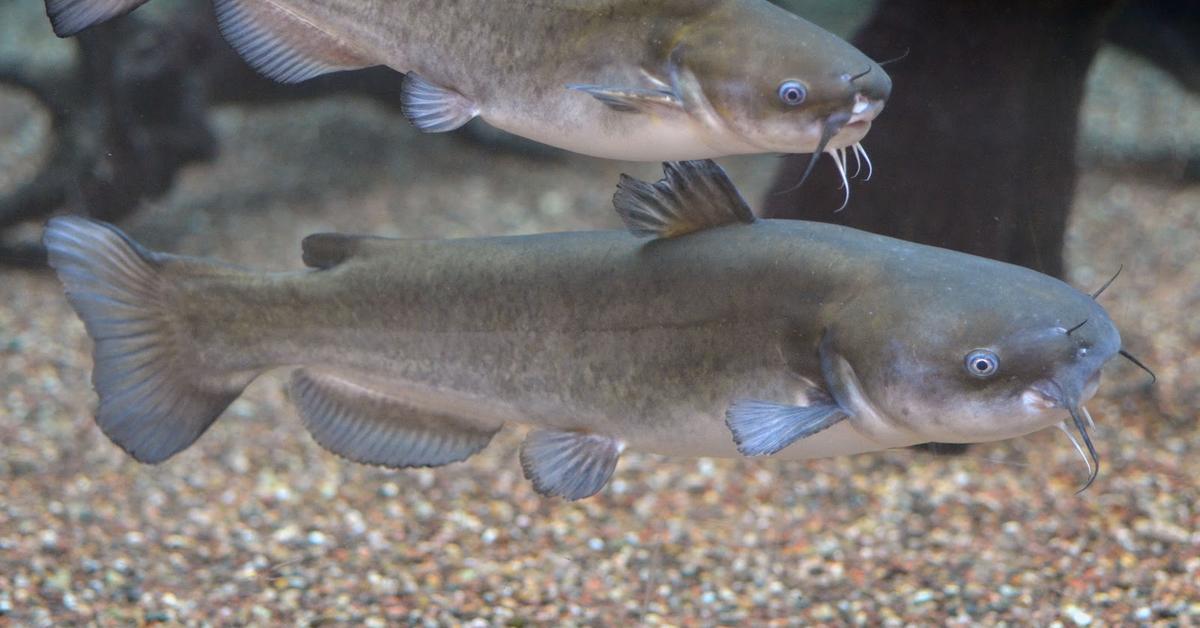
(692, 195)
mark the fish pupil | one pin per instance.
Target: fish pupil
(981, 363)
(792, 93)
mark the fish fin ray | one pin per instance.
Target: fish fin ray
(692, 196)
(152, 404)
(568, 464)
(281, 44)
(762, 428)
(69, 17)
(367, 426)
(631, 99)
(433, 108)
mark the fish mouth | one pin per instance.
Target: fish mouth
(863, 111)
(1050, 394)
(841, 135)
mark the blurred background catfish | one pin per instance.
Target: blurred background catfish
(620, 79)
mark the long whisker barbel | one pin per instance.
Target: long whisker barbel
(895, 59)
(1088, 415)
(841, 167)
(1129, 356)
(1108, 283)
(1066, 430)
(1125, 354)
(861, 74)
(828, 130)
(860, 152)
(1079, 425)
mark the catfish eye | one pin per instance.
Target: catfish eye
(792, 93)
(982, 363)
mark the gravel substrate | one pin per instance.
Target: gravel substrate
(257, 524)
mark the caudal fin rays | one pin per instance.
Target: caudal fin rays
(151, 404)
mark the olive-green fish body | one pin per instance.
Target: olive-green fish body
(726, 336)
(595, 330)
(625, 79)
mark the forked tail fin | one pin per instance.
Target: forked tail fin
(153, 402)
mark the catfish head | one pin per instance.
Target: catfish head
(962, 356)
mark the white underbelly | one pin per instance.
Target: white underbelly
(710, 437)
(626, 136)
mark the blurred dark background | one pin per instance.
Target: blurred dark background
(980, 154)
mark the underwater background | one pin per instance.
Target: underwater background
(257, 524)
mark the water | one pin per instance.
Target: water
(256, 523)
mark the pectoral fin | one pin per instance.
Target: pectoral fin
(631, 99)
(433, 108)
(762, 428)
(367, 426)
(572, 465)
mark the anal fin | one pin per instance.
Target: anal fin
(762, 428)
(68, 17)
(282, 44)
(569, 464)
(367, 426)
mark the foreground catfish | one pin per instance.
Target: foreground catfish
(723, 336)
(624, 79)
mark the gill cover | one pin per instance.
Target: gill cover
(763, 428)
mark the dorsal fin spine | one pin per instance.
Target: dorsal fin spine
(692, 196)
